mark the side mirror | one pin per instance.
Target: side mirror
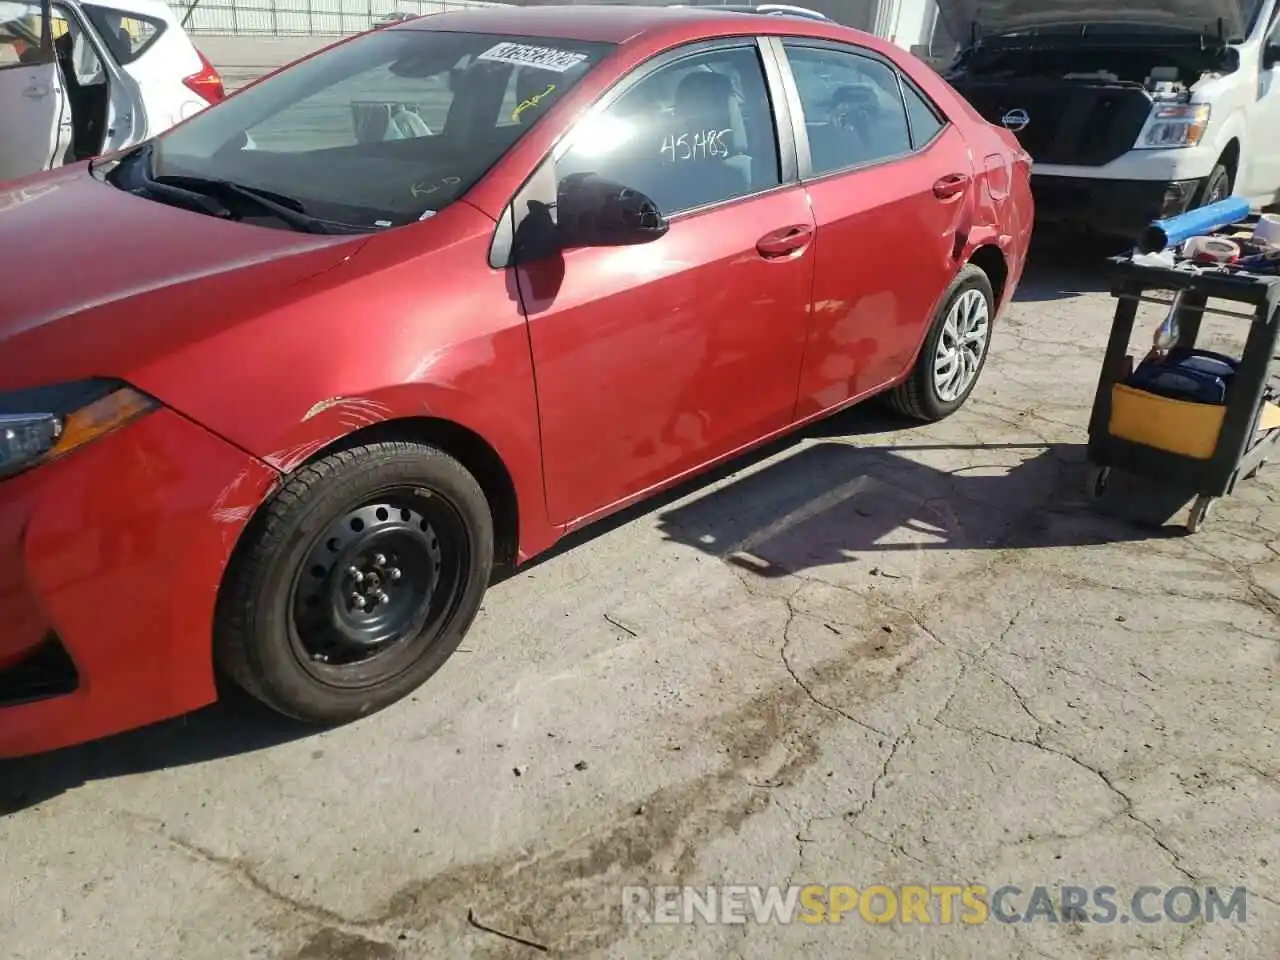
(594, 212)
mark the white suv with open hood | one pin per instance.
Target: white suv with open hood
(1132, 110)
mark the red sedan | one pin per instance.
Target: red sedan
(280, 388)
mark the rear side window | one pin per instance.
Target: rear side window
(924, 119)
(853, 108)
(127, 35)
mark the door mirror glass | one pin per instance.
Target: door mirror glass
(592, 211)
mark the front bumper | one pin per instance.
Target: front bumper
(1119, 208)
(110, 562)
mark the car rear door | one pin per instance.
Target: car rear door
(35, 125)
(889, 179)
(652, 360)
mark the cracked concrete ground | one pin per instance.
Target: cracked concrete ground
(872, 655)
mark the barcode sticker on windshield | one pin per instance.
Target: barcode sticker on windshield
(541, 58)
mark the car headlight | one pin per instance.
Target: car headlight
(1173, 125)
(47, 423)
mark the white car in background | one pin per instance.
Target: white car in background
(81, 78)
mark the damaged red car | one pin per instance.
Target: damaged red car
(412, 308)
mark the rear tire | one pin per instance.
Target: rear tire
(954, 351)
(356, 582)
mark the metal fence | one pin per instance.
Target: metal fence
(300, 18)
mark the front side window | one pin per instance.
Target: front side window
(24, 38)
(383, 130)
(697, 131)
(853, 107)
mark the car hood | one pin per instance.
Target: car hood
(97, 281)
(995, 18)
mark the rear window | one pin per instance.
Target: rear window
(127, 35)
(384, 129)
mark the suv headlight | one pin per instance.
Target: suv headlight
(1173, 125)
(47, 423)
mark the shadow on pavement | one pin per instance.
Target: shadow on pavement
(236, 724)
(865, 420)
(834, 500)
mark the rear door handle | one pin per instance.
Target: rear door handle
(37, 90)
(952, 185)
(788, 240)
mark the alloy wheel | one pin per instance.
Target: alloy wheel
(961, 346)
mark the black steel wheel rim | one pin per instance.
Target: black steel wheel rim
(377, 587)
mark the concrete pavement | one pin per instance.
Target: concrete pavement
(241, 59)
(871, 656)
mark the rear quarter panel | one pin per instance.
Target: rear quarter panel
(1003, 211)
(159, 74)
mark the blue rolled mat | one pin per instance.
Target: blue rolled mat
(1162, 234)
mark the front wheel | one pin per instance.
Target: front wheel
(1215, 188)
(356, 582)
(954, 352)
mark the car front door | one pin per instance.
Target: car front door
(34, 121)
(888, 178)
(653, 359)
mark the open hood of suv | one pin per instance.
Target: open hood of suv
(994, 18)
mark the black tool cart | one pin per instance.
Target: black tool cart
(1190, 420)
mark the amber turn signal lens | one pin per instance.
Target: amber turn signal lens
(99, 418)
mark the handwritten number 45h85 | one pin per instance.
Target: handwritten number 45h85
(698, 146)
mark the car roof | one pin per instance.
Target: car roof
(607, 23)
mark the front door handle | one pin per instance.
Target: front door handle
(37, 90)
(952, 185)
(783, 242)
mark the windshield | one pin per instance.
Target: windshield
(380, 131)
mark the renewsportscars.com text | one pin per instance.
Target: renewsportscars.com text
(932, 904)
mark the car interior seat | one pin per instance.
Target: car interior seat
(707, 111)
(847, 136)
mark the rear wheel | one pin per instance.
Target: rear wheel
(356, 582)
(954, 351)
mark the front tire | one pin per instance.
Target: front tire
(356, 582)
(954, 352)
(1216, 187)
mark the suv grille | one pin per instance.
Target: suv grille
(1069, 123)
